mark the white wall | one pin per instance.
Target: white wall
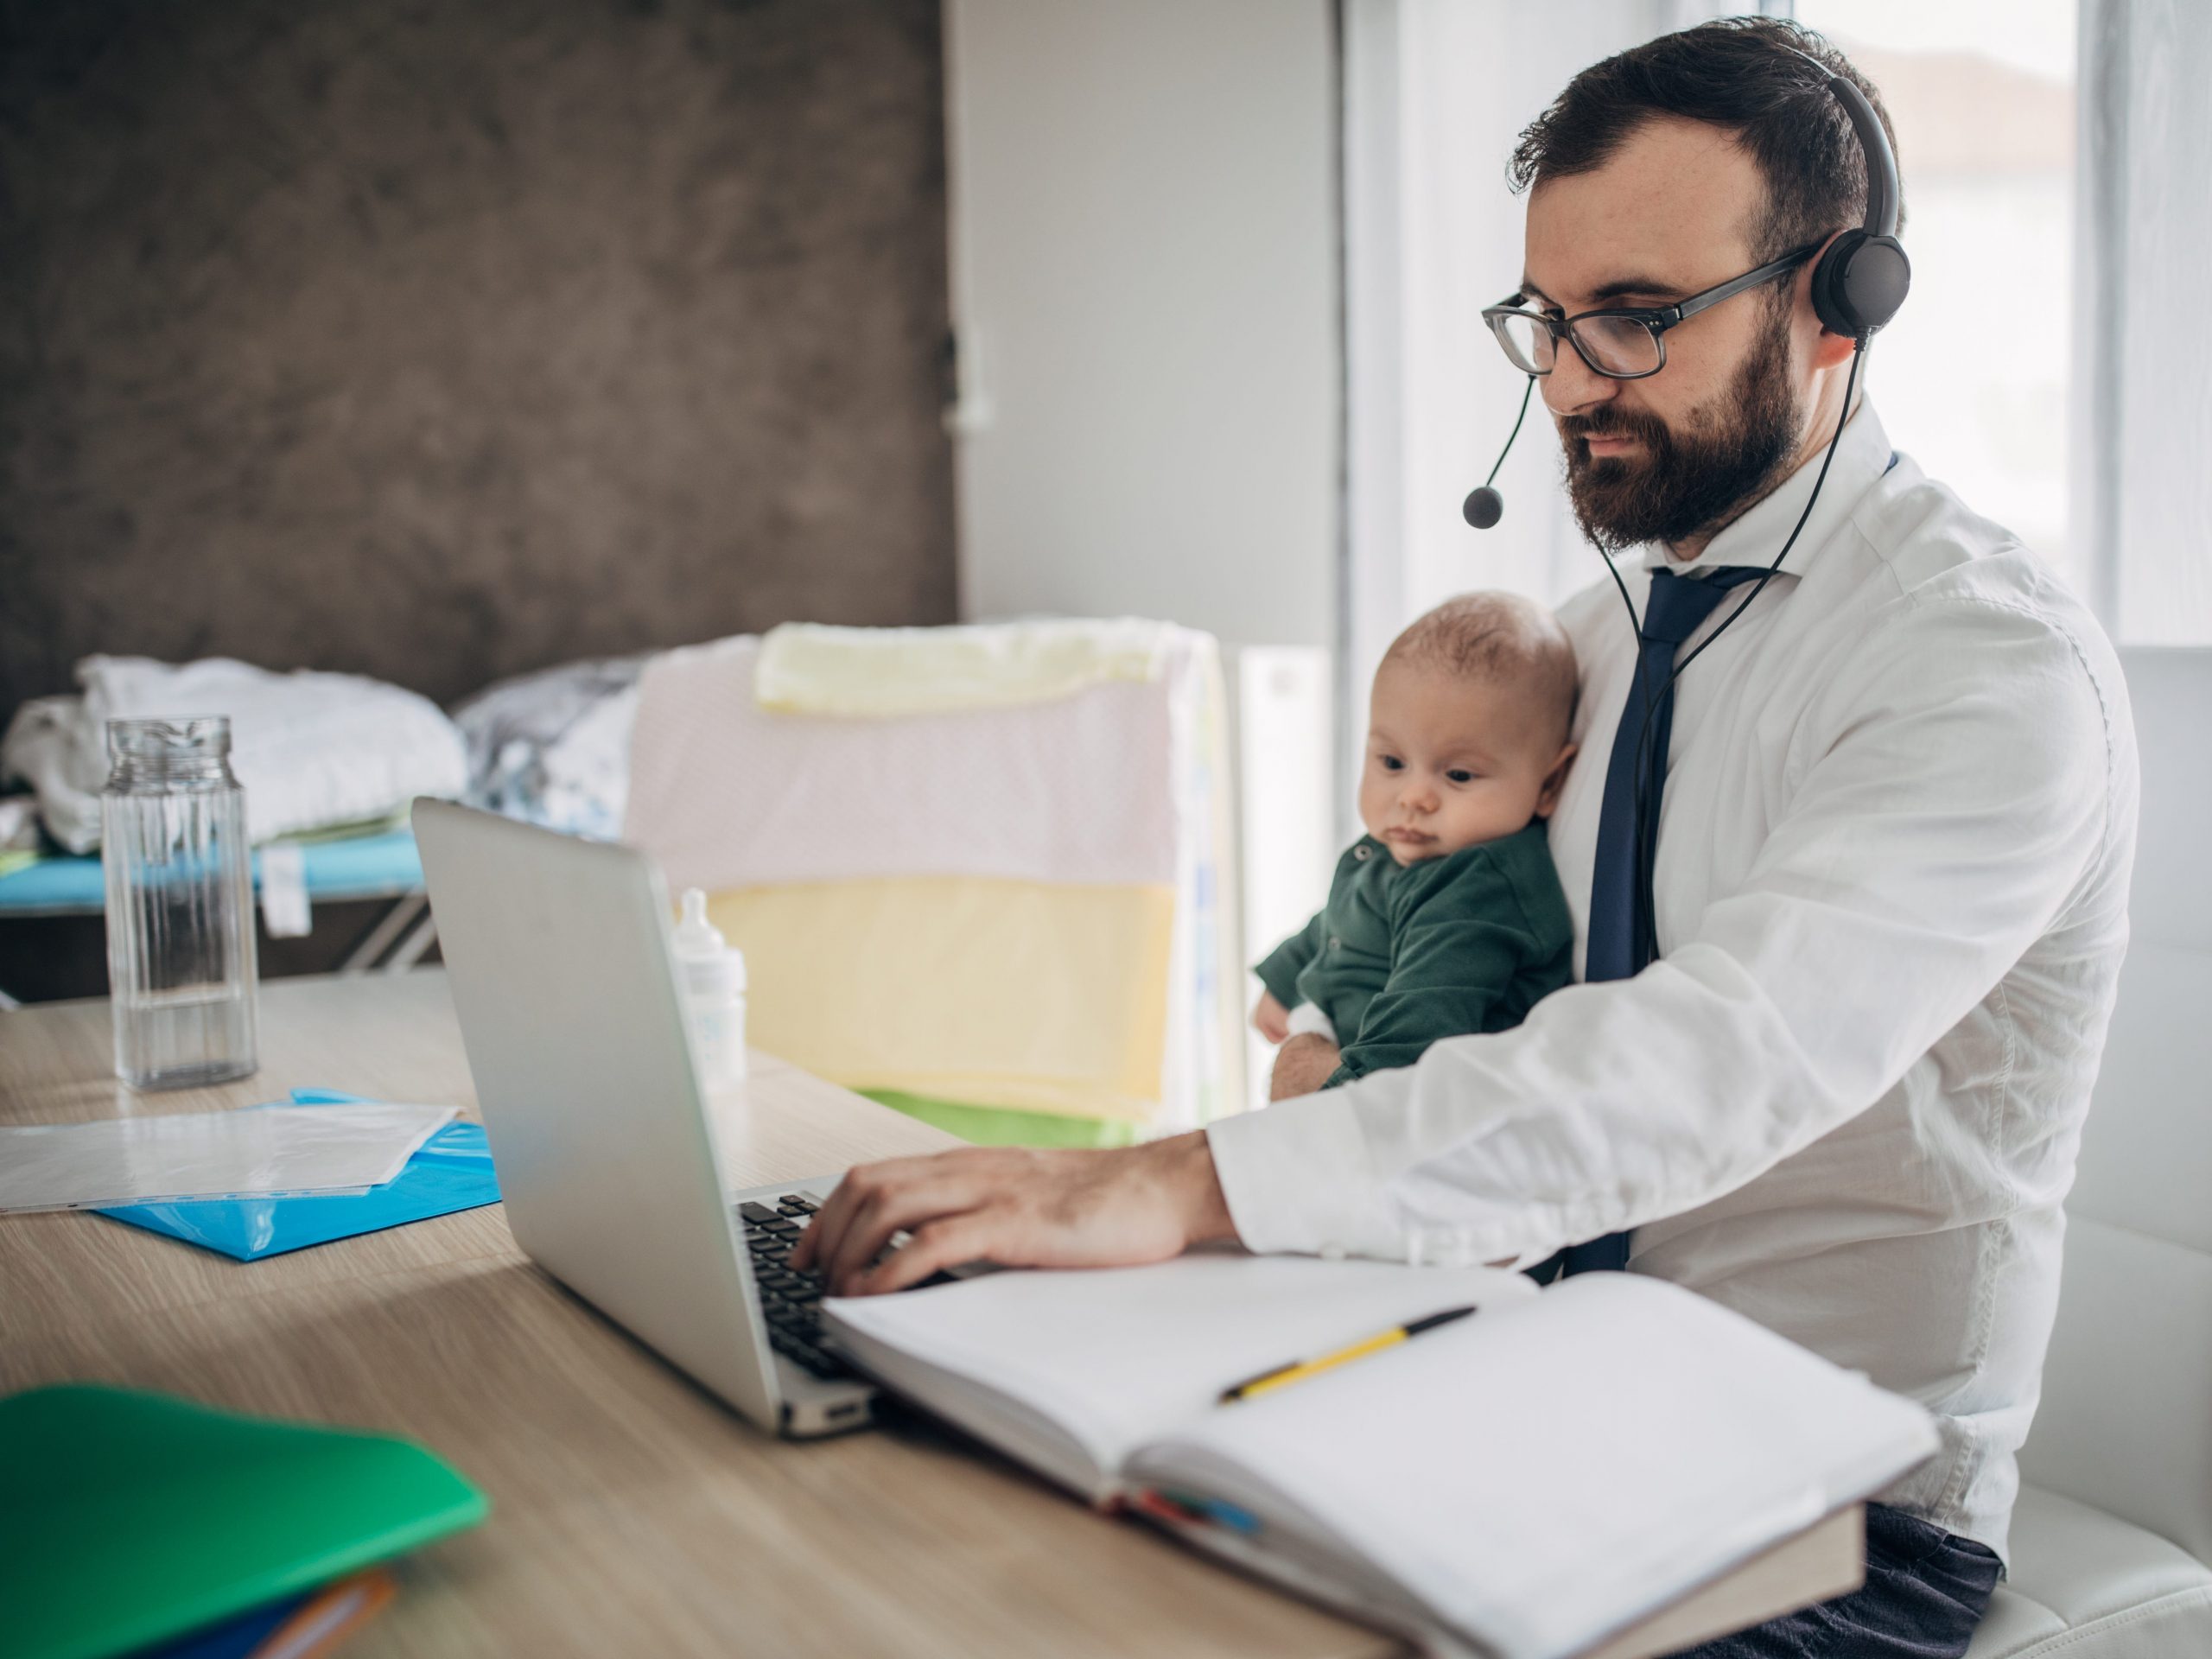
(1144, 251)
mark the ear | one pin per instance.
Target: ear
(1827, 349)
(1555, 780)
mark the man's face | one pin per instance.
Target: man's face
(1679, 452)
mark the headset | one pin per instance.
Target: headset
(1858, 283)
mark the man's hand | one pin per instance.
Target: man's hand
(1306, 1062)
(1270, 1019)
(1017, 1208)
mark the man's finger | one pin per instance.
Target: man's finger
(939, 1245)
(818, 1240)
(945, 1187)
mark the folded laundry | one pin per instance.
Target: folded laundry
(1045, 997)
(809, 668)
(312, 749)
(553, 747)
(1009, 910)
(726, 795)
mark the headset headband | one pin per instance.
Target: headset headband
(1859, 282)
(1873, 143)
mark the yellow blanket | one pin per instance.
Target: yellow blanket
(1046, 996)
(810, 668)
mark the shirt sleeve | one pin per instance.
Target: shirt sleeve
(1280, 968)
(1458, 945)
(1955, 786)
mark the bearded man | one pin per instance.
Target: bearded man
(1894, 808)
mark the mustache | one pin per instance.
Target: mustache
(1614, 423)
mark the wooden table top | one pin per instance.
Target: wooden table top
(631, 1511)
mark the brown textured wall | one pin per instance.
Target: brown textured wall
(439, 341)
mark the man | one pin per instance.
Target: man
(1897, 824)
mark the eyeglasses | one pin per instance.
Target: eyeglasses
(1621, 345)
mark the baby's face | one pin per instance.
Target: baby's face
(1453, 762)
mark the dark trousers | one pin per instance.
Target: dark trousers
(1925, 1591)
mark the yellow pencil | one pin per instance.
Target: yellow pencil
(1299, 1370)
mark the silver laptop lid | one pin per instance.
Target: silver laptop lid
(556, 951)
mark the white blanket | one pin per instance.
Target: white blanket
(725, 794)
(313, 751)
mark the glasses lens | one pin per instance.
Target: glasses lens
(1527, 341)
(1617, 344)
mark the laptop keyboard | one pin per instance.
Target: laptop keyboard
(790, 1301)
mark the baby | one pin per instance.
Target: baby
(1446, 917)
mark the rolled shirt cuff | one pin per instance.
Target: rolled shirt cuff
(1297, 1180)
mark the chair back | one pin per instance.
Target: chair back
(2126, 1422)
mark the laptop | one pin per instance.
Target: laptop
(557, 954)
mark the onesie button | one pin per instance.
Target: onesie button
(1362, 852)
(1335, 944)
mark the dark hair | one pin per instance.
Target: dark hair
(1741, 73)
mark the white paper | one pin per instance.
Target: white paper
(1113, 1355)
(265, 1151)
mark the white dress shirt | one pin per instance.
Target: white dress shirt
(1891, 888)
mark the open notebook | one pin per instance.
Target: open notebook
(1523, 1482)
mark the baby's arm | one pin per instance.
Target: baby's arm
(1457, 947)
(1279, 972)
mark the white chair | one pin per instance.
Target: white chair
(2114, 1522)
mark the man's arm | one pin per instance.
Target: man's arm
(1956, 791)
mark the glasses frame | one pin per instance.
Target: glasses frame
(1655, 319)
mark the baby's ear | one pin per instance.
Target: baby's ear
(1555, 780)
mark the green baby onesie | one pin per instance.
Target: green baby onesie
(1403, 955)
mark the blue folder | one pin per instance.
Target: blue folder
(451, 1171)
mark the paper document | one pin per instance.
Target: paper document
(267, 1152)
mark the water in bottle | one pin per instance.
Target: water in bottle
(180, 905)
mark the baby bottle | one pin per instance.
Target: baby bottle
(713, 979)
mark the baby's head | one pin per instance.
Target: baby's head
(1467, 727)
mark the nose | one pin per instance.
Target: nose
(1573, 387)
(1416, 795)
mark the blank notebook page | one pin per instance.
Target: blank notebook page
(1118, 1355)
(1548, 1477)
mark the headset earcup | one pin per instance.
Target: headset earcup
(1876, 281)
(1859, 283)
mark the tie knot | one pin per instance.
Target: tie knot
(1679, 603)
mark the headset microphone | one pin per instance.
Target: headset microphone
(1485, 506)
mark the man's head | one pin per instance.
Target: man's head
(1657, 174)
(1467, 727)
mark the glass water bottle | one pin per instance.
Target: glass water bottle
(180, 904)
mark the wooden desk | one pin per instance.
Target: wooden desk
(631, 1511)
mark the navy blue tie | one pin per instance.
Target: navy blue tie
(1620, 942)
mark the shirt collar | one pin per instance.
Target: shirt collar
(1861, 458)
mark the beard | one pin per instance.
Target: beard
(1691, 482)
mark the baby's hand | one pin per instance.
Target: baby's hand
(1271, 1019)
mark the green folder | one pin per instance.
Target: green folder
(126, 1518)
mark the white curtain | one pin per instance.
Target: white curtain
(2143, 339)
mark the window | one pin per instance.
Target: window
(1973, 378)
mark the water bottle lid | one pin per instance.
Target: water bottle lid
(709, 965)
